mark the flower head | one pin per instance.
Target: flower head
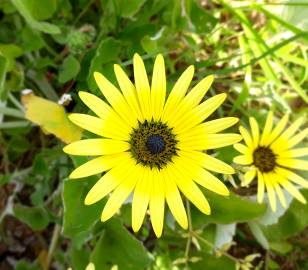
(270, 156)
(152, 146)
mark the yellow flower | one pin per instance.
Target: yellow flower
(152, 147)
(90, 266)
(270, 155)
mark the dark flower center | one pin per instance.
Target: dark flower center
(264, 159)
(153, 144)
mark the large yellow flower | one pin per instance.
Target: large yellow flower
(269, 157)
(151, 147)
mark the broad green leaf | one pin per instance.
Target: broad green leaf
(69, 69)
(291, 223)
(41, 10)
(24, 11)
(106, 54)
(78, 217)
(10, 51)
(24, 265)
(79, 258)
(31, 39)
(126, 9)
(210, 262)
(226, 210)
(36, 217)
(51, 117)
(119, 247)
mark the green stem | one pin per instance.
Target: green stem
(188, 243)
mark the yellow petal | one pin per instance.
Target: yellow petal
(270, 190)
(109, 181)
(255, 131)
(284, 139)
(208, 162)
(293, 128)
(293, 163)
(98, 106)
(115, 98)
(191, 100)
(247, 137)
(210, 127)
(249, 176)
(142, 87)
(119, 195)
(209, 181)
(177, 93)
(295, 178)
(174, 199)
(158, 87)
(201, 176)
(141, 198)
(129, 91)
(290, 188)
(267, 129)
(243, 160)
(199, 113)
(190, 189)
(280, 195)
(96, 147)
(297, 138)
(196, 94)
(98, 165)
(208, 141)
(260, 187)
(113, 124)
(157, 202)
(277, 130)
(98, 126)
(243, 149)
(292, 153)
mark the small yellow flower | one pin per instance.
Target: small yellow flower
(269, 157)
(153, 146)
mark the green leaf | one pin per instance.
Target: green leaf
(258, 234)
(10, 51)
(292, 222)
(78, 217)
(25, 11)
(24, 265)
(118, 247)
(69, 69)
(80, 258)
(106, 54)
(202, 19)
(36, 217)
(41, 10)
(128, 10)
(31, 40)
(210, 262)
(226, 210)
(3, 68)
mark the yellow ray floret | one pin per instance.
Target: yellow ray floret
(152, 146)
(270, 157)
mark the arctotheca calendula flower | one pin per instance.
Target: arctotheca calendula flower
(152, 145)
(271, 155)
